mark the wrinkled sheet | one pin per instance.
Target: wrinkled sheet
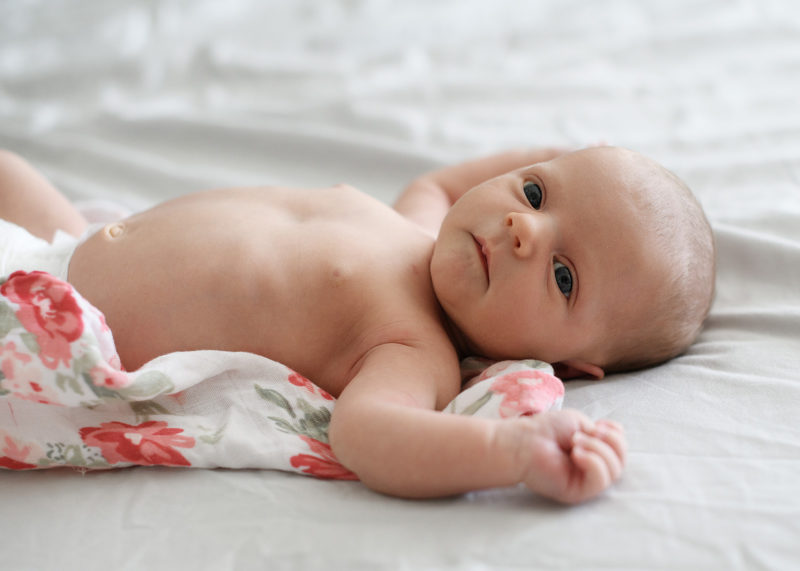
(139, 101)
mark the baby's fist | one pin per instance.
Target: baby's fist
(570, 458)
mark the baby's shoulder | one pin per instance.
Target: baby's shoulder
(406, 339)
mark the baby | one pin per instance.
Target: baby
(597, 260)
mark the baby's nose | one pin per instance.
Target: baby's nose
(526, 233)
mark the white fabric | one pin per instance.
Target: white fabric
(138, 101)
(19, 250)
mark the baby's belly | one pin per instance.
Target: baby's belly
(144, 293)
(163, 290)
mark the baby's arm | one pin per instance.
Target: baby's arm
(428, 198)
(385, 429)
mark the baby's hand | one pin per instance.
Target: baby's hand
(569, 457)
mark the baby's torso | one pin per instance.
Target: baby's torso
(311, 278)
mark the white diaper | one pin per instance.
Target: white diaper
(21, 250)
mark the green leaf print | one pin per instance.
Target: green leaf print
(64, 382)
(143, 409)
(214, 437)
(79, 455)
(284, 426)
(275, 398)
(29, 339)
(315, 421)
(148, 385)
(100, 392)
(8, 320)
(83, 363)
(474, 407)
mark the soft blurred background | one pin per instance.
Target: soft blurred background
(116, 96)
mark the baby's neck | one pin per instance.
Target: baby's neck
(457, 337)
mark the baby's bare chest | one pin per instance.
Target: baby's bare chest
(310, 283)
(297, 256)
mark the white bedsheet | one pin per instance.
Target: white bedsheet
(140, 100)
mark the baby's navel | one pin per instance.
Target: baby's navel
(114, 230)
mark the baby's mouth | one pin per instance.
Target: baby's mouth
(483, 255)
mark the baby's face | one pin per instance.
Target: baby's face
(548, 261)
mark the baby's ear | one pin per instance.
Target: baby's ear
(574, 369)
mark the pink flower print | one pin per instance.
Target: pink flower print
(23, 377)
(47, 309)
(14, 456)
(11, 359)
(106, 375)
(300, 381)
(324, 464)
(151, 443)
(527, 392)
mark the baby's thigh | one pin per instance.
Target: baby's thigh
(29, 200)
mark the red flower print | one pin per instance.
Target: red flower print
(527, 392)
(11, 464)
(324, 465)
(148, 444)
(47, 309)
(14, 455)
(300, 381)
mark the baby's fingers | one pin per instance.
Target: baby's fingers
(598, 461)
(614, 435)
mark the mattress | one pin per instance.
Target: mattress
(137, 101)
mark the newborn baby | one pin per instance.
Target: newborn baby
(597, 260)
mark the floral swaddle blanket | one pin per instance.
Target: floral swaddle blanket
(66, 401)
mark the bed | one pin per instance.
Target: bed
(138, 101)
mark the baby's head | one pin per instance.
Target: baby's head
(664, 318)
(598, 260)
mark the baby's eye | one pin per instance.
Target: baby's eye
(533, 193)
(563, 278)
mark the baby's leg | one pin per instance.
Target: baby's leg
(27, 199)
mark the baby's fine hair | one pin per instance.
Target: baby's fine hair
(675, 315)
